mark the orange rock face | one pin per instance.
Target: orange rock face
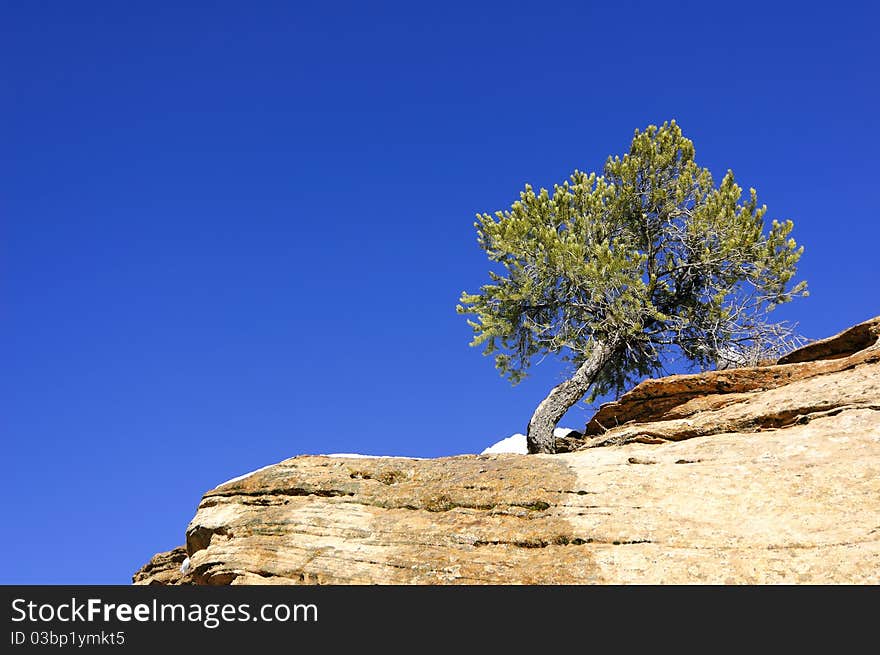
(752, 475)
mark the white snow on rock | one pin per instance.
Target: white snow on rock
(517, 443)
(184, 567)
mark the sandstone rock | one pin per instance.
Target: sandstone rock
(844, 375)
(762, 475)
(163, 568)
(850, 341)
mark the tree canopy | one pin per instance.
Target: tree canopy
(614, 272)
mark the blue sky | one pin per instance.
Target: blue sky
(231, 233)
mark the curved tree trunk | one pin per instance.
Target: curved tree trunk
(561, 398)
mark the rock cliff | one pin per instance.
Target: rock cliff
(750, 475)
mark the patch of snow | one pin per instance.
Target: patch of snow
(516, 443)
(184, 568)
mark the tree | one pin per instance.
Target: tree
(618, 272)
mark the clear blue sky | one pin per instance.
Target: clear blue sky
(234, 232)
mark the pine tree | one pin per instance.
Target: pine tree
(616, 272)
